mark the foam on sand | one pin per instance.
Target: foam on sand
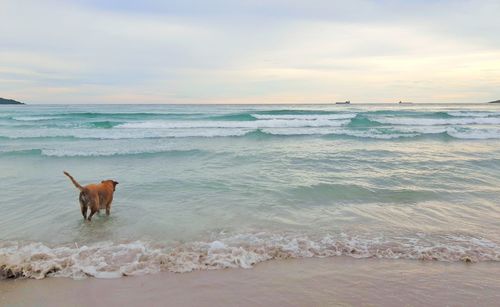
(112, 260)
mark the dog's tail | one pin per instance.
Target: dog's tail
(77, 185)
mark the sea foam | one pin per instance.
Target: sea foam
(270, 123)
(412, 121)
(112, 260)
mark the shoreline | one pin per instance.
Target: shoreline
(335, 281)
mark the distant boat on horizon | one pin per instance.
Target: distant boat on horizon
(344, 102)
(402, 102)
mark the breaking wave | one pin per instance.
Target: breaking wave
(235, 124)
(305, 117)
(351, 123)
(73, 148)
(408, 121)
(113, 260)
(33, 118)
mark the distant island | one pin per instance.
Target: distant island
(9, 101)
(496, 101)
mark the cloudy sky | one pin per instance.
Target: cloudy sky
(249, 51)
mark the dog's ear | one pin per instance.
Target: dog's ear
(115, 183)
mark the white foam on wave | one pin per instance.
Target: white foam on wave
(403, 131)
(370, 133)
(422, 129)
(374, 134)
(473, 114)
(455, 132)
(306, 116)
(270, 123)
(103, 152)
(33, 118)
(299, 131)
(475, 134)
(111, 260)
(394, 132)
(411, 121)
(115, 134)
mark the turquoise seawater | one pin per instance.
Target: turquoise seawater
(216, 186)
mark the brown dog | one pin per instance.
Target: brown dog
(95, 196)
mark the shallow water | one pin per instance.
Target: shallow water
(206, 187)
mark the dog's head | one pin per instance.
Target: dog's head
(109, 181)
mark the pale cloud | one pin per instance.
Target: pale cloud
(248, 51)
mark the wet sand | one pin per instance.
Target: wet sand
(337, 281)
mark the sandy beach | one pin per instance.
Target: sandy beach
(337, 281)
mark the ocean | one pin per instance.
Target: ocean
(219, 186)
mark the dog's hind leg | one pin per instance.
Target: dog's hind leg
(84, 200)
(94, 206)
